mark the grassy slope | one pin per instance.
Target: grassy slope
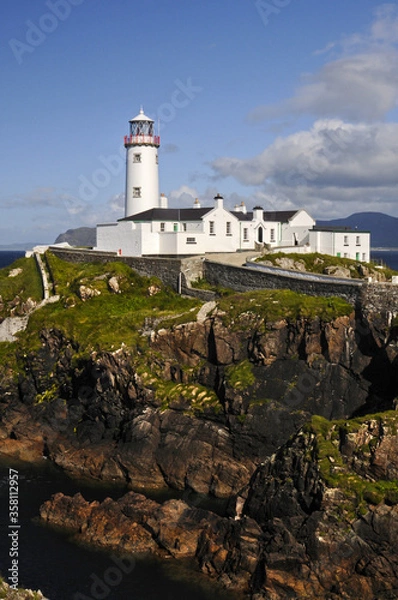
(25, 285)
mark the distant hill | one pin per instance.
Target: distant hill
(383, 228)
(82, 236)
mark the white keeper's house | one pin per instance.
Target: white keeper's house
(150, 228)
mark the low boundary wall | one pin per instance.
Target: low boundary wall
(373, 297)
(249, 278)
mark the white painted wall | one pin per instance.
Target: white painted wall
(142, 175)
(346, 244)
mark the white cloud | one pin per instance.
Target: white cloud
(183, 196)
(360, 87)
(332, 164)
(116, 204)
(360, 84)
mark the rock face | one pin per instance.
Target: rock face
(208, 403)
(306, 526)
(199, 407)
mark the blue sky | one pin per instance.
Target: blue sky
(283, 103)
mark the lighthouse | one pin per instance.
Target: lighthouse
(142, 172)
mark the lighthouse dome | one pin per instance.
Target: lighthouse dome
(141, 117)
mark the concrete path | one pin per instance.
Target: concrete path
(12, 325)
(237, 259)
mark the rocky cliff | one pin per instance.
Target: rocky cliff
(319, 519)
(202, 407)
(223, 404)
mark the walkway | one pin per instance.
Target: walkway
(13, 325)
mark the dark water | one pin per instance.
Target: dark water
(389, 257)
(66, 571)
(6, 258)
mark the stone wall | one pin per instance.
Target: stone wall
(376, 297)
(167, 270)
(246, 279)
(380, 298)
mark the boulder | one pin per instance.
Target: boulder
(86, 293)
(113, 284)
(337, 271)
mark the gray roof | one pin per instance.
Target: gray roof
(281, 216)
(338, 229)
(169, 214)
(196, 214)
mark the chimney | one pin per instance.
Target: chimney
(243, 207)
(219, 201)
(196, 204)
(163, 201)
(257, 213)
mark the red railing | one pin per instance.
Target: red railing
(153, 140)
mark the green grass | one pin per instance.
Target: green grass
(101, 323)
(336, 472)
(240, 376)
(25, 285)
(105, 321)
(316, 263)
(203, 284)
(273, 305)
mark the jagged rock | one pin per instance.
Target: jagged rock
(337, 271)
(290, 263)
(293, 536)
(131, 524)
(28, 306)
(15, 272)
(153, 290)
(114, 286)
(86, 293)
(6, 591)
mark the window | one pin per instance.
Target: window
(137, 192)
(363, 256)
(228, 230)
(345, 254)
(212, 228)
(245, 234)
(137, 158)
(346, 242)
(157, 159)
(358, 240)
(184, 226)
(272, 235)
(191, 240)
(162, 226)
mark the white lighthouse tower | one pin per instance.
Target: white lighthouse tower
(142, 173)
